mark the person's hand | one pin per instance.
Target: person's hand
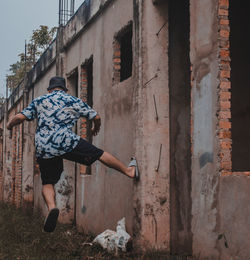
(95, 131)
(10, 133)
(15, 120)
(97, 125)
(9, 127)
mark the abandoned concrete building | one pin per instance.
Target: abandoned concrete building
(170, 81)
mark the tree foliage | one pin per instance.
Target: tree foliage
(38, 43)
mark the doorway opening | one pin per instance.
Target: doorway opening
(240, 84)
(180, 128)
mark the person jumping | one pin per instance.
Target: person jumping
(56, 114)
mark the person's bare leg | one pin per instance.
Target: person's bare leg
(112, 162)
(49, 195)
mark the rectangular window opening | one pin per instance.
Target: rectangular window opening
(240, 84)
(126, 55)
(123, 54)
(72, 83)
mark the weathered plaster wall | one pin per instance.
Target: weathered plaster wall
(234, 217)
(205, 170)
(89, 10)
(113, 197)
(152, 225)
(28, 163)
(234, 182)
(129, 122)
(28, 174)
(136, 116)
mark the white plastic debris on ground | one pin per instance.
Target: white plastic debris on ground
(113, 241)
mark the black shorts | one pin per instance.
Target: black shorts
(52, 168)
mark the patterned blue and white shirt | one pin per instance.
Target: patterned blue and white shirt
(57, 112)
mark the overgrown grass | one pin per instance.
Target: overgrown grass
(22, 238)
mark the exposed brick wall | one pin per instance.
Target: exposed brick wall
(1, 160)
(17, 161)
(116, 61)
(123, 54)
(36, 167)
(13, 164)
(83, 96)
(224, 114)
(18, 166)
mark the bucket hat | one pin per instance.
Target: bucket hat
(57, 82)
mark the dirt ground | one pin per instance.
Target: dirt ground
(22, 238)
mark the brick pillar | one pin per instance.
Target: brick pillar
(19, 160)
(224, 90)
(116, 61)
(13, 168)
(83, 96)
(36, 166)
(1, 164)
(16, 194)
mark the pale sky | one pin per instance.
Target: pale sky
(18, 19)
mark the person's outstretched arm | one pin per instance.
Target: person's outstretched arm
(97, 125)
(16, 120)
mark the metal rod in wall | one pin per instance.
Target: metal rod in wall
(156, 112)
(159, 160)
